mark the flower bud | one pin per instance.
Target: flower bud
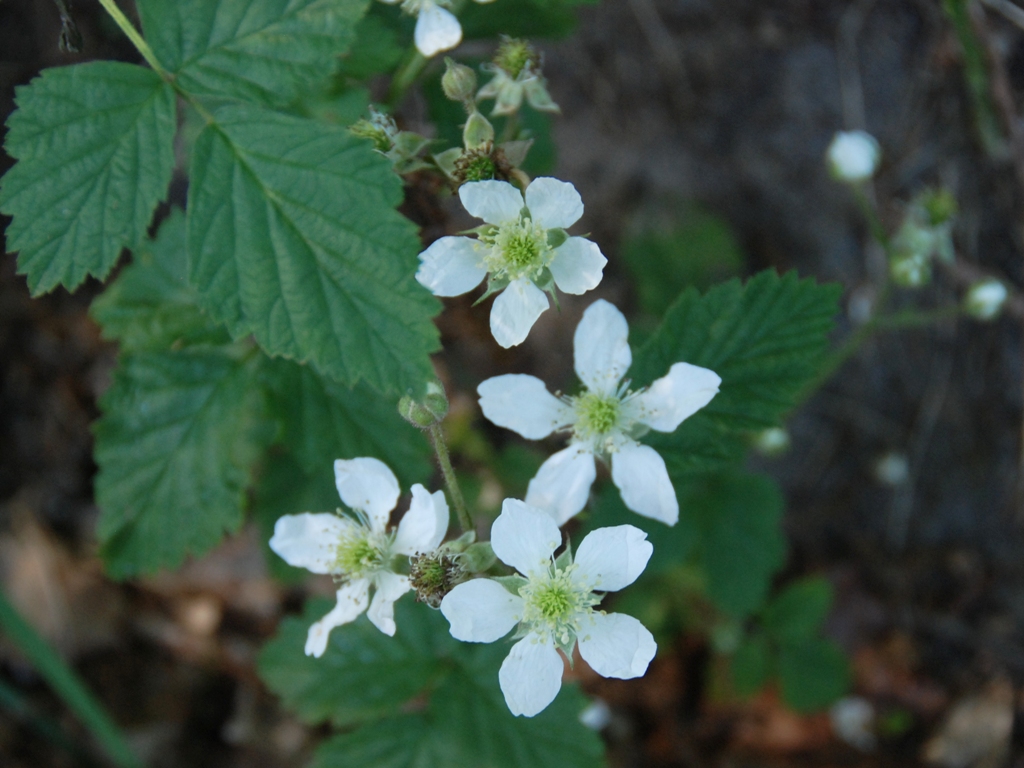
(458, 81)
(853, 156)
(380, 129)
(910, 270)
(773, 441)
(478, 132)
(429, 410)
(985, 299)
(940, 205)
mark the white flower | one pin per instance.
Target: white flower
(359, 552)
(853, 156)
(437, 29)
(553, 605)
(985, 299)
(524, 250)
(605, 420)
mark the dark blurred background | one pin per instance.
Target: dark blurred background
(903, 482)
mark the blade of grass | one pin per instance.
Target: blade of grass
(14, 702)
(66, 684)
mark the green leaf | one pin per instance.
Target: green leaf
(322, 421)
(741, 543)
(698, 249)
(798, 612)
(94, 144)
(520, 18)
(292, 237)
(813, 674)
(765, 338)
(262, 51)
(752, 664)
(151, 306)
(376, 49)
(364, 674)
(179, 434)
(406, 741)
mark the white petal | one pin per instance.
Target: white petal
(493, 201)
(578, 266)
(561, 486)
(309, 540)
(640, 474)
(352, 600)
(617, 645)
(530, 676)
(601, 347)
(367, 484)
(436, 30)
(523, 404)
(609, 559)
(684, 391)
(553, 203)
(515, 311)
(389, 587)
(481, 611)
(451, 266)
(524, 537)
(423, 527)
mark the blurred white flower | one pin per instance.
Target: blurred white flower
(359, 551)
(437, 29)
(605, 420)
(985, 299)
(853, 156)
(552, 604)
(523, 249)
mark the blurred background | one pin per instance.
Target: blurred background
(695, 132)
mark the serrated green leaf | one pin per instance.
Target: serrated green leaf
(407, 741)
(364, 674)
(261, 51)
(322, 421)
(376, 48)
(292, 237)
(151, 306)
(179, 434)
(765, 338)
(813, 674)
(741, 542)
(798, 612)
(751, 664)
(471, 709)
(94, 144)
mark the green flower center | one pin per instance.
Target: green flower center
(479, 169)
(555, 603)
(513, 55)
(596, 414)
(360, 553)
(518, 249)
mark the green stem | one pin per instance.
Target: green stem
(134, 36)
(67, 685)
(445, 462)
(406, 75)
(867, 207)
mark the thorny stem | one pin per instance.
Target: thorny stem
(445, 462)
(134, 36)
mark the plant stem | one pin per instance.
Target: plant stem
(445, 462)
(134, 36)
(406, 75)
(67, 685)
